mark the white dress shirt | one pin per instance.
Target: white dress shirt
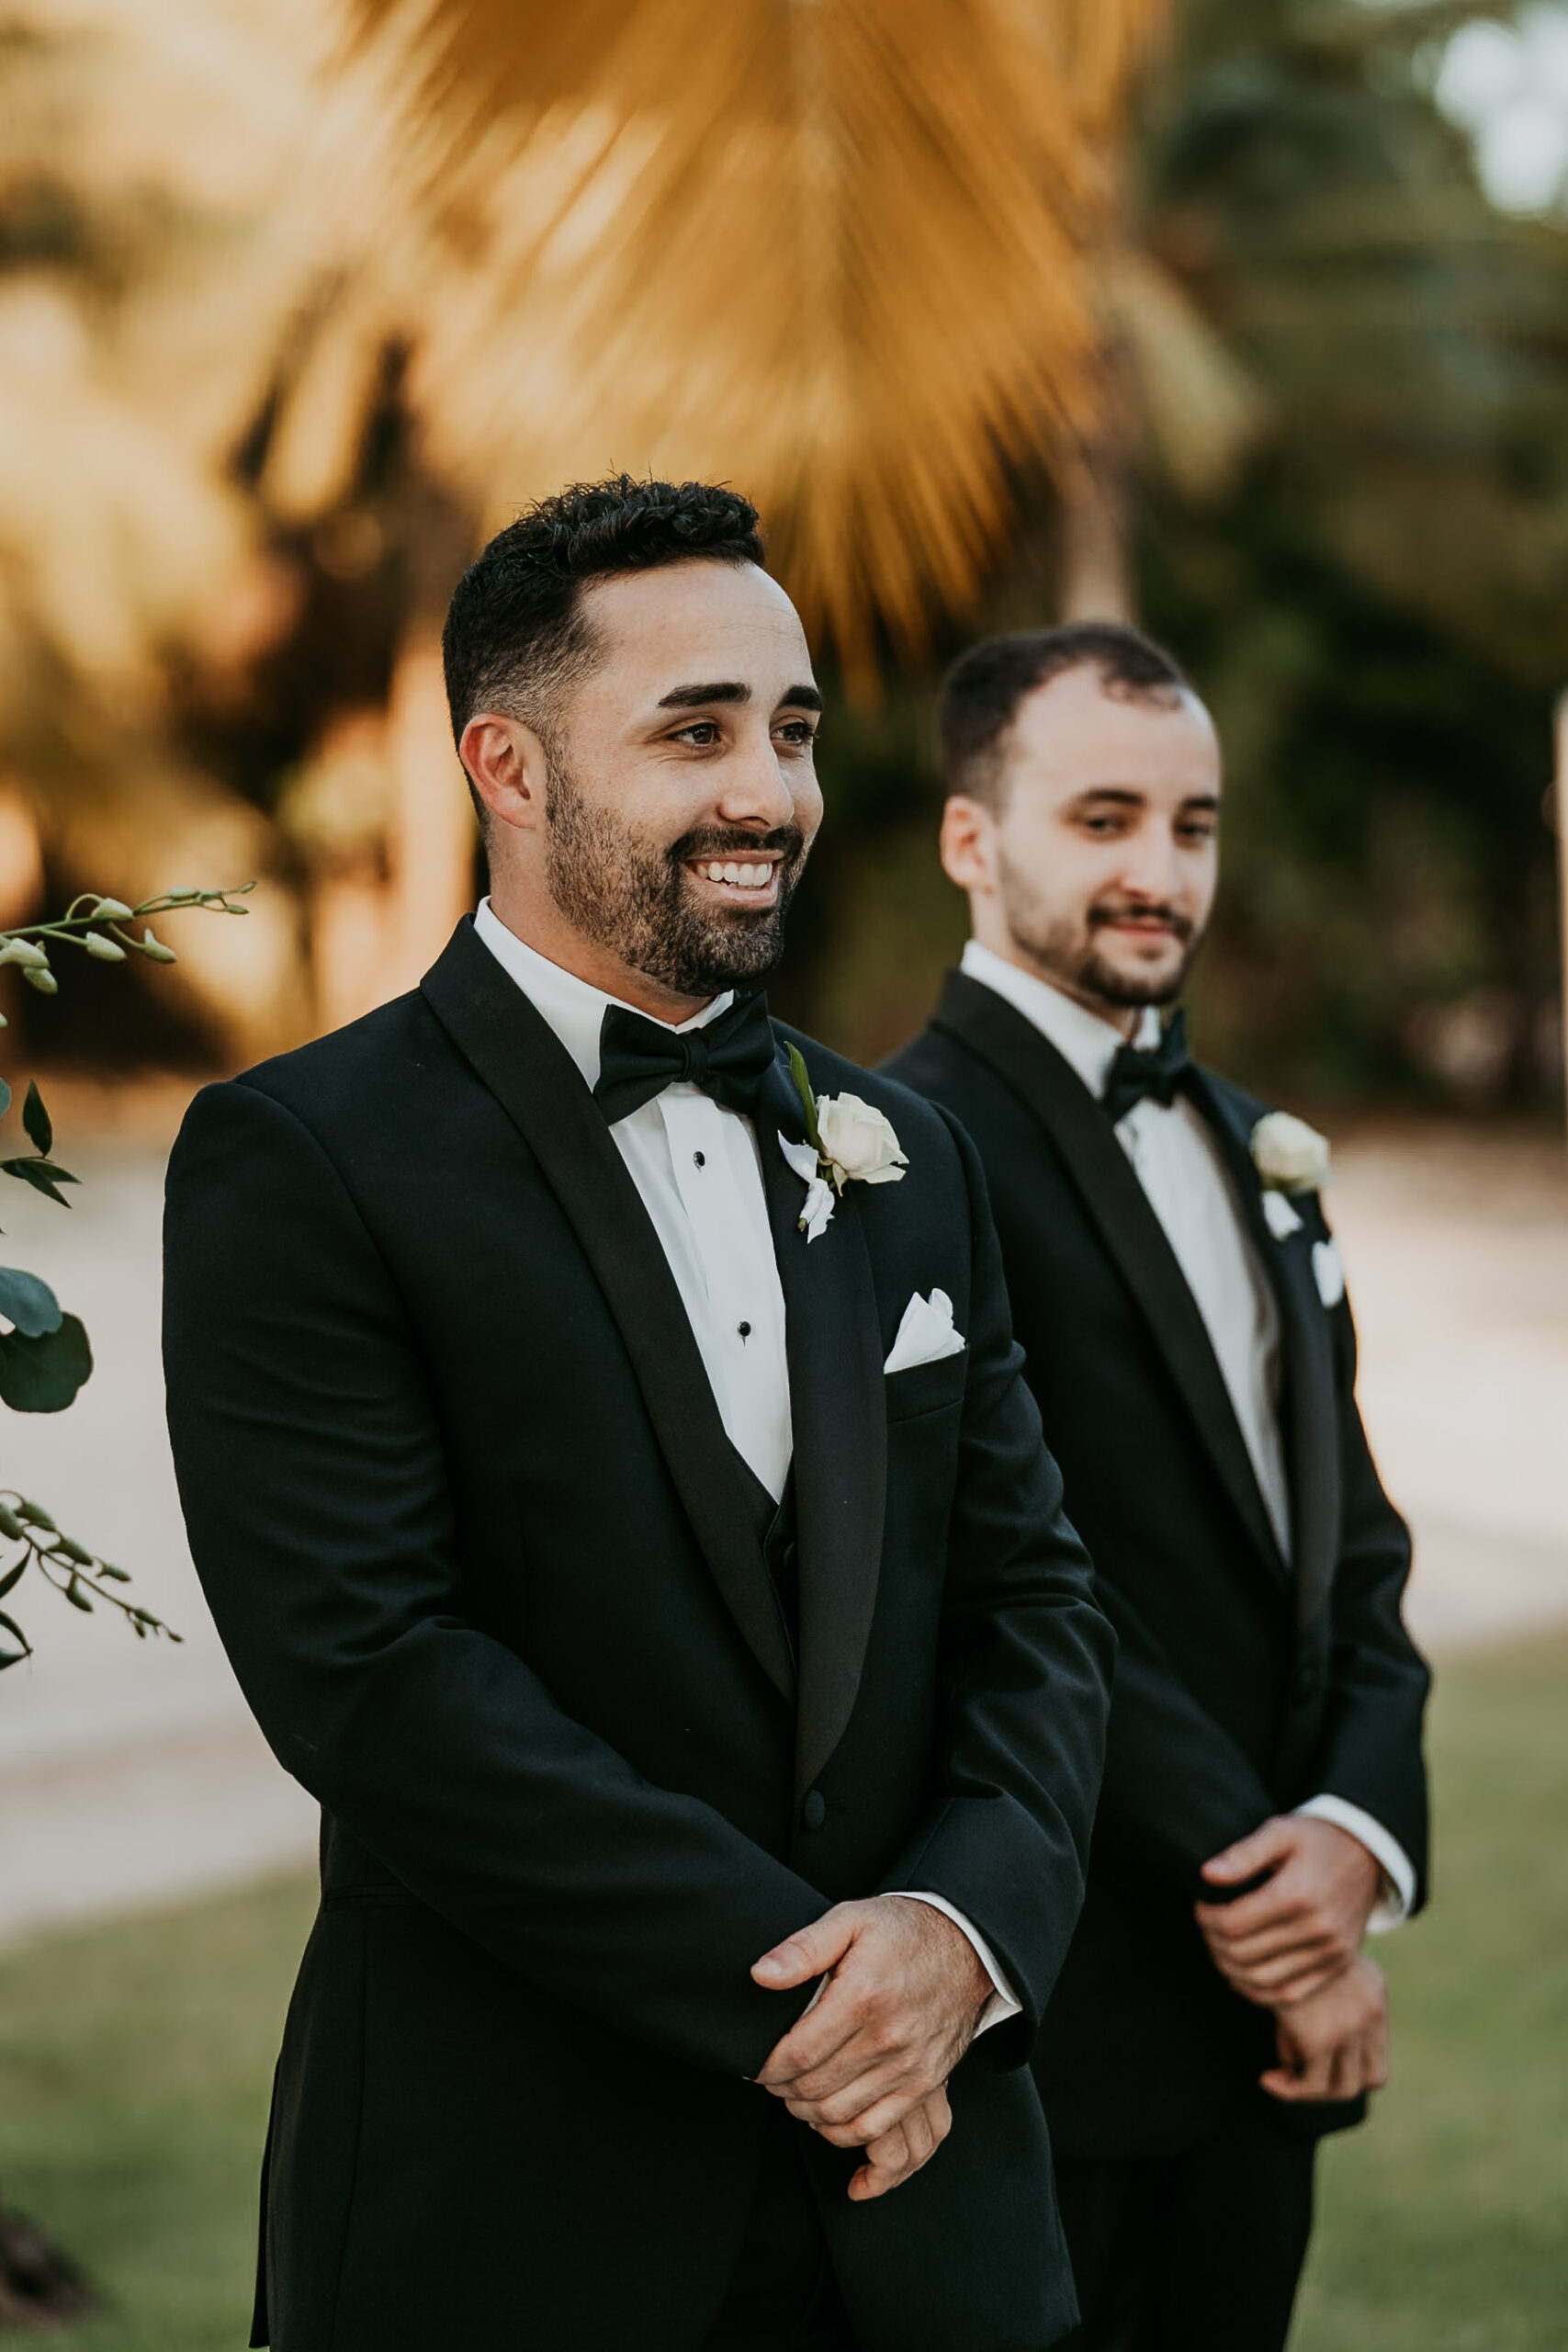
(1179, 1163)
(695, 1164)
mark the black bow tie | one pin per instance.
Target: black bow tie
(728, 1058)
(1141, 1070)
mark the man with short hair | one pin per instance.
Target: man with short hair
(1182, 1311)
(605, 1452)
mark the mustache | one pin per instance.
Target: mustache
(729, 842)
(1109, 910)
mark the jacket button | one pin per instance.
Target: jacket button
(814, 1809)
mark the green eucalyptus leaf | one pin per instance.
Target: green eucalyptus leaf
(43, 1175)
(27, 1303)
(106, 950)
(42, 1375)
(68, 1548)
(39, 977)
(10, 1525)
(37, 1121)
(15, 1632)
(77, 1598)
(36, 1515)
(13, 1577)
(119, 1576)
(112, 910)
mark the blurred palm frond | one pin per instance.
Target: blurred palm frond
(835, 252)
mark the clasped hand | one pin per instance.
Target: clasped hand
(1304, 1926)
(866, 2066)
(1293, 1944)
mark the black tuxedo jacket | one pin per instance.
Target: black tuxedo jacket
(1243, 1686)
(487, 1569)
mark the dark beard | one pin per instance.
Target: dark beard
(635, 897)
(1067, 951)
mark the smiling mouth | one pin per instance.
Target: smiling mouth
(740, 881)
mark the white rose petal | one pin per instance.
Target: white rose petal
(1279, 1216)
(1328, 1265)
(1289, 1154)
(859, 1140)
(817, 1209)
(819, 1204)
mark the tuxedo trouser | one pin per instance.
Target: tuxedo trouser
(782, 2297)
(1200, 2252)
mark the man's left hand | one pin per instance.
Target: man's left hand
(1291, 1935)
(904, 1993)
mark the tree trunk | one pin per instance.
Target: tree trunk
(1096, 577)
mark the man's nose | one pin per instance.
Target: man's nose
(753, 788)
(1152, 868)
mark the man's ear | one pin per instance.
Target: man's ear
(968, 845)
(506, 762)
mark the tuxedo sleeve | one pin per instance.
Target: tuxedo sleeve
(1023, 1673)
(313, 1474)
(1370, 1755)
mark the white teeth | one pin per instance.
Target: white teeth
(740, 878)
(732, 873)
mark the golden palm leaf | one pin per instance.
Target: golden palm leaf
(832, 250)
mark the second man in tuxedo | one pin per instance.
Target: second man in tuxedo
(1182, 1309)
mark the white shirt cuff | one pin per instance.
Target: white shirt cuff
(1004, 2002)
(1398, 1894)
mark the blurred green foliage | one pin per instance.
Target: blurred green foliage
(1376, 607)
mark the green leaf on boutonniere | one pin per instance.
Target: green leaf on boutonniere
(802, 1078)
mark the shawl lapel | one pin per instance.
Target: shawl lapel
(518, 1056)
(1308, 1411)
(986, 1025)
(839, 1409)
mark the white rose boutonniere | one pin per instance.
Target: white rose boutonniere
(1290, 1157)
(847, 1141)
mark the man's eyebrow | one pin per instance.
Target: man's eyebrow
(698, 698)
(801, 698)
(1127, 795)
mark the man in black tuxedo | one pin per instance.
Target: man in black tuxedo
(613, 1478)
(1182, 1310)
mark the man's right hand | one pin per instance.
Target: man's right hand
(1335, 2043)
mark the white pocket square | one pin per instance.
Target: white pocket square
(926, 1333)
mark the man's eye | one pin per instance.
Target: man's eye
(702, 732)
(799, 733)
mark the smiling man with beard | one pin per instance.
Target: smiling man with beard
(606, 1451)
(1183, 1313)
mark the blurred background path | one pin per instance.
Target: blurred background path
(132, 1774)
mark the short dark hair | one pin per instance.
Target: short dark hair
(515, 639)
(981, 693)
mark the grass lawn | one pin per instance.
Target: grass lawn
(134, 2063)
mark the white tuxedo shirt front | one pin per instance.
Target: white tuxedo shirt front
(1179, 1163)
(697, 1168)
